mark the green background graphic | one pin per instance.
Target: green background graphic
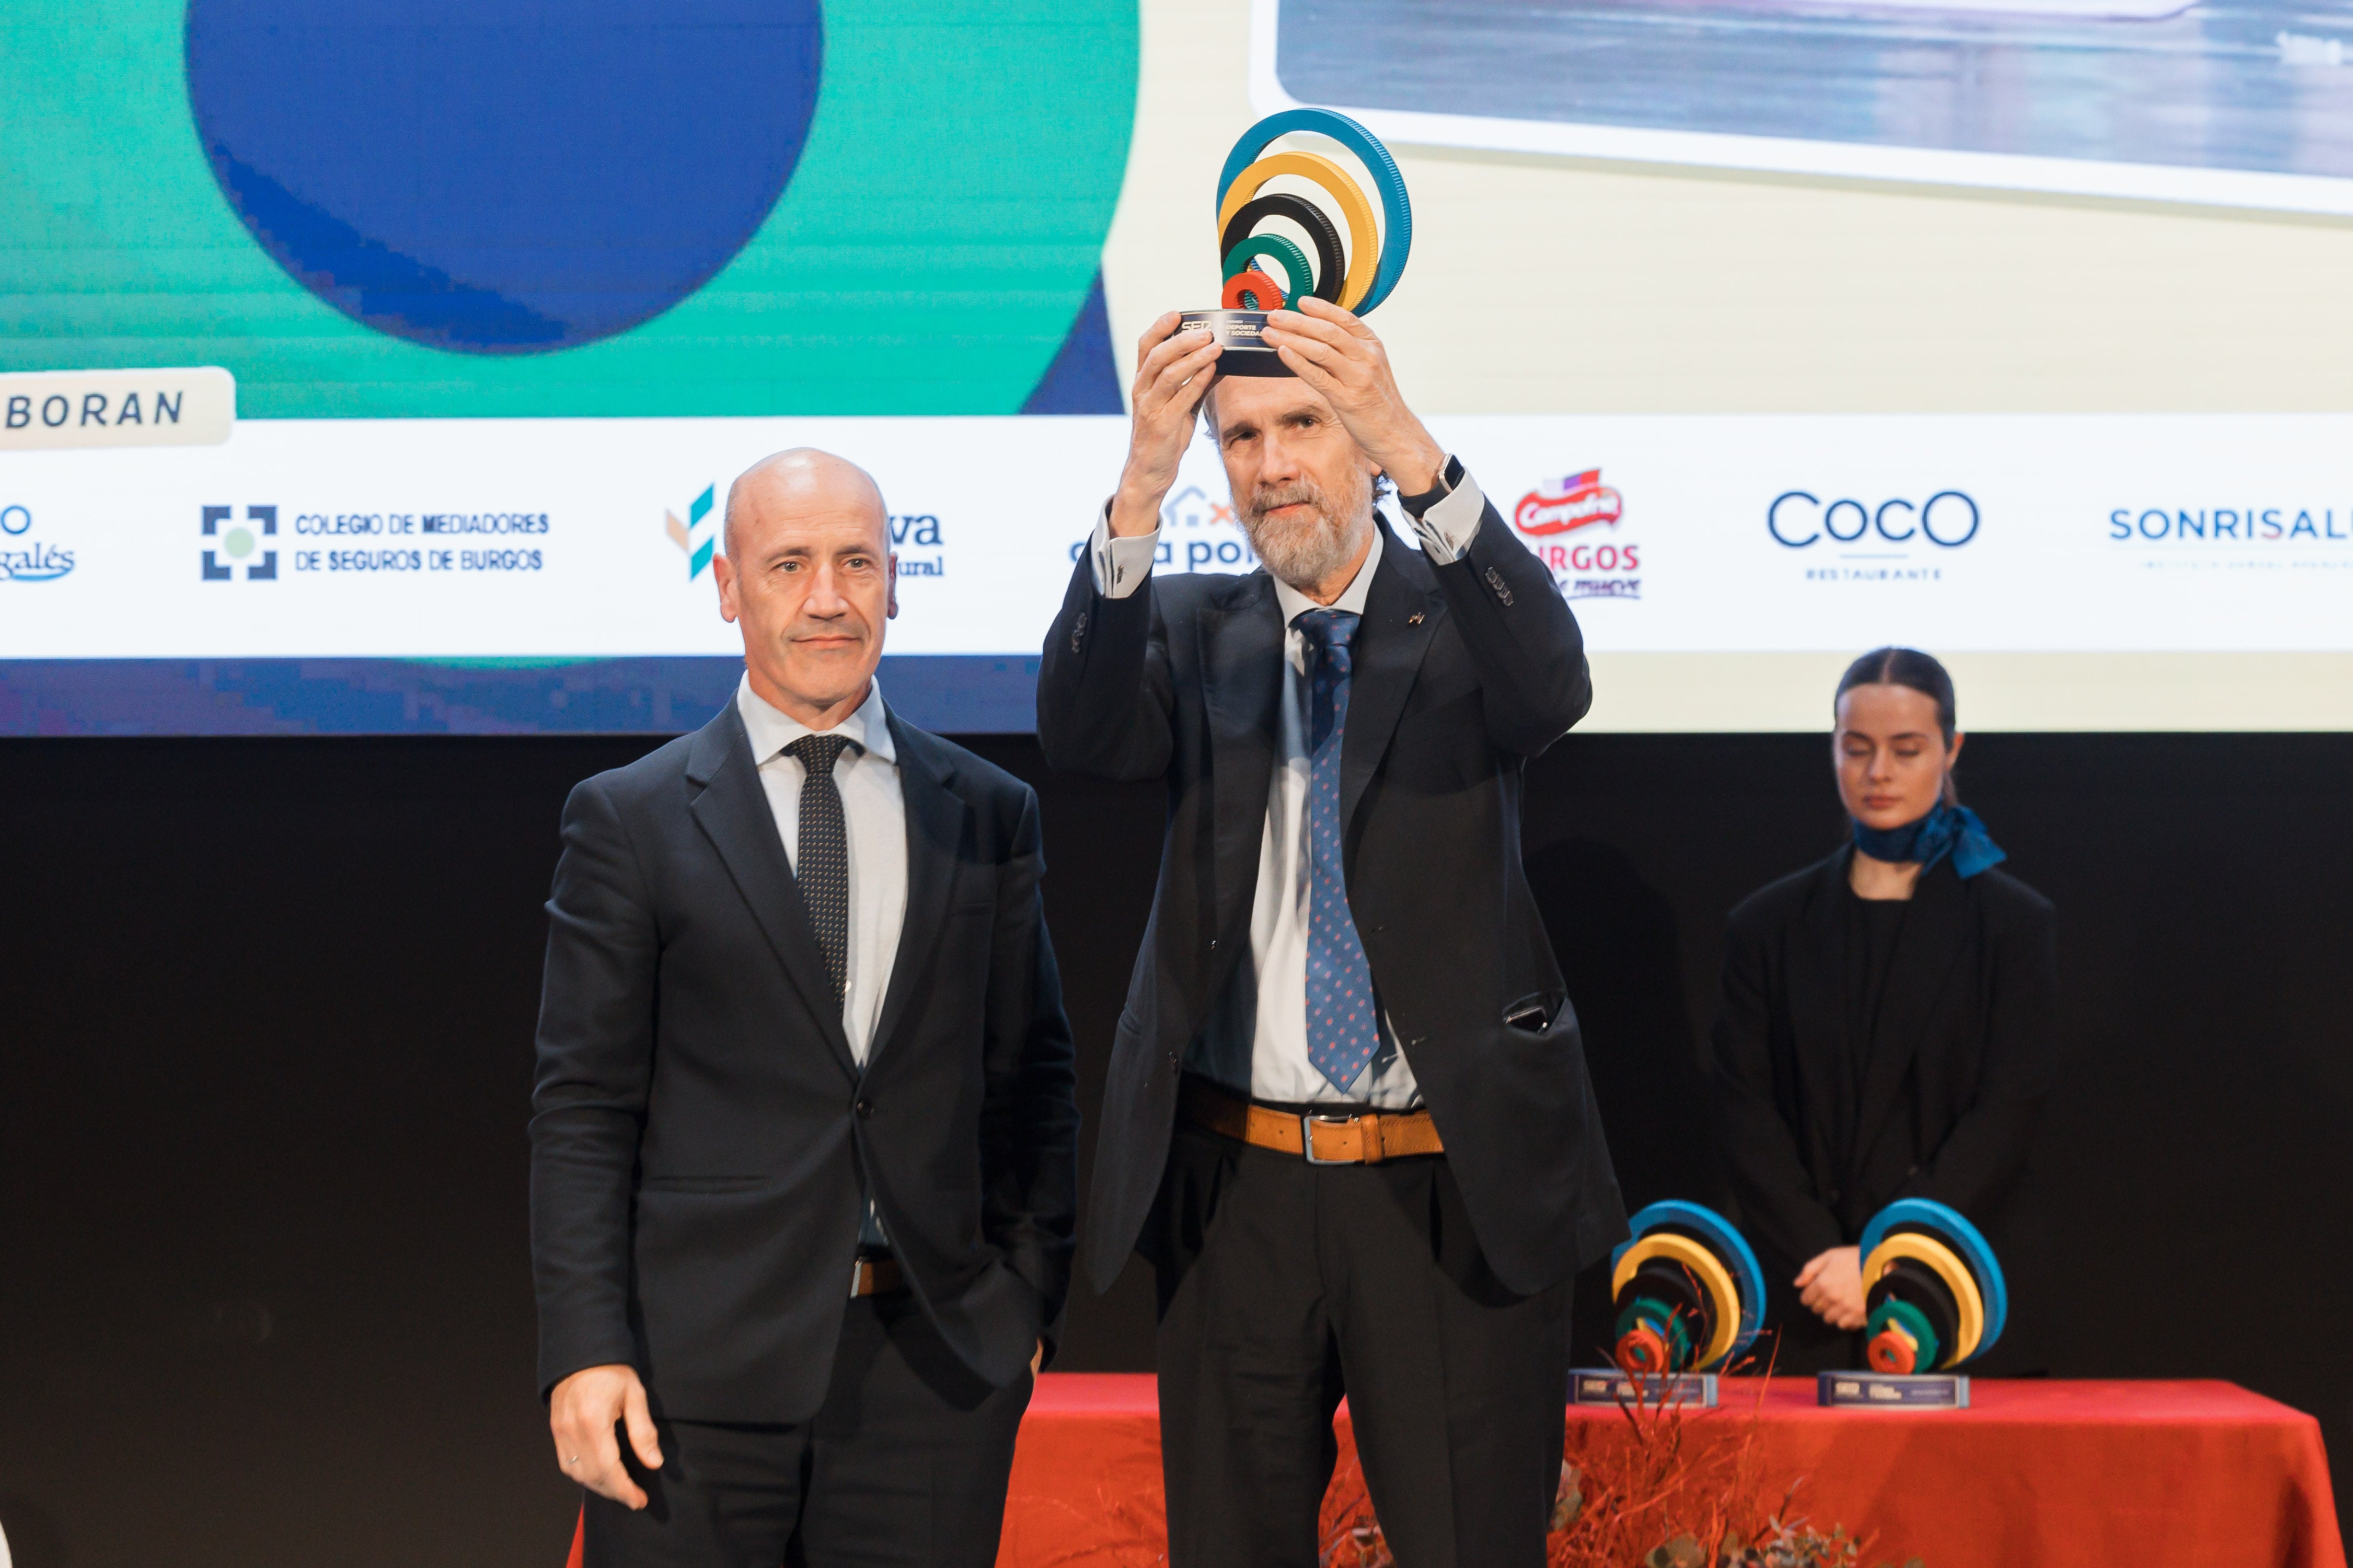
(938, 238)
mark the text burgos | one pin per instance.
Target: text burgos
(1579, 500)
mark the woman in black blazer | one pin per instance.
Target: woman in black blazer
(1887, 1019)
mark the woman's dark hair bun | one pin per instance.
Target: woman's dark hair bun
(1904, 667)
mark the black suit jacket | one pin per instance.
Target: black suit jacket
(1462, 672)
(699, 1124)
(1948, 1113)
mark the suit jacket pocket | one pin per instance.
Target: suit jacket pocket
(1541, 1014)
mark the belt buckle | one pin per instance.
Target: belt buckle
(1307, 1120)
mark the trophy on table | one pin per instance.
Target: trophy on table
(1267, 269)
(1937, 1300)
(1690, 1298)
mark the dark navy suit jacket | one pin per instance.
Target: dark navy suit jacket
(699, 1124)
(1462, 673)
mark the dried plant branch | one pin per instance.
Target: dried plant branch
(1663, 1486)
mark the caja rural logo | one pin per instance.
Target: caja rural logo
(698, 537)
(699, 542)
(1550, 514)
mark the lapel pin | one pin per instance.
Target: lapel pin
(1414, 619)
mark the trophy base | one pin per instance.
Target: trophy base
(1607, 1385)
(1891, 1391)
(1237, 332)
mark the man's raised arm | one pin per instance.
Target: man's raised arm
(1104, 695)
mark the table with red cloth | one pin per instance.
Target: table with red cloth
(2104, 1475)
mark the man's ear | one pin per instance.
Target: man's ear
(892, 593)
(722, 572)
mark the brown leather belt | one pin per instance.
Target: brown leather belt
(876, 1277)
(1340, 1138)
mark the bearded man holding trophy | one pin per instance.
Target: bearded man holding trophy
(1348, 1118)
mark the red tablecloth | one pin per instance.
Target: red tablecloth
(2085, 1474)
(2102, 1475)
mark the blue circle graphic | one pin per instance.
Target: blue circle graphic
(24, 520)
(503, 176)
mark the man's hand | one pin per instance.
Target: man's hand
(1831, 1288)
(1172, 371)
(581, 1413)
(1337, 355)
(1037, 1360)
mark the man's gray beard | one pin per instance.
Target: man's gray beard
(1308, 551)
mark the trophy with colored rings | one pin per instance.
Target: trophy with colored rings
(1261, 233)
(1937, 1300)
(1690, 1298)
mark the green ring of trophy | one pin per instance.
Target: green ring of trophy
(1356, 280)
(1297, 275)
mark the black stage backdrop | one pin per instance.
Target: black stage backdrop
(264, 1295)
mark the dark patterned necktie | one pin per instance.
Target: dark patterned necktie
(822, 865)
(1343, 1023)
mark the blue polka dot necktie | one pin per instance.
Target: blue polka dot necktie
(821, 867)
(1342, 1020)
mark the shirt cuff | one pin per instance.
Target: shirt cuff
(1120, 564)
(1446, 520)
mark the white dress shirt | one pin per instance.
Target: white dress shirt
(874, 815)
(1255, 1040)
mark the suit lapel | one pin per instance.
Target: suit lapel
(936, 820)
(1400, 617)
(1935, 932)
(1241, 675)
(732, 811)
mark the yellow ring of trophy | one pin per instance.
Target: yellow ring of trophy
(1946, 1265)
(1712, 1277)
(1364, 237)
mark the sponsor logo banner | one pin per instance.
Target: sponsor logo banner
(593, 538)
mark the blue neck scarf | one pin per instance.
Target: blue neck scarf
(1952, 830)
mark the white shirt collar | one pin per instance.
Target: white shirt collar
(772, 730)
(1352, 599)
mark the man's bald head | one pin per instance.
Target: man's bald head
(809, 580)
(802, 482)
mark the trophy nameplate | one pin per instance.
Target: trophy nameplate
(1891, 1391)
(1607, 1385)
